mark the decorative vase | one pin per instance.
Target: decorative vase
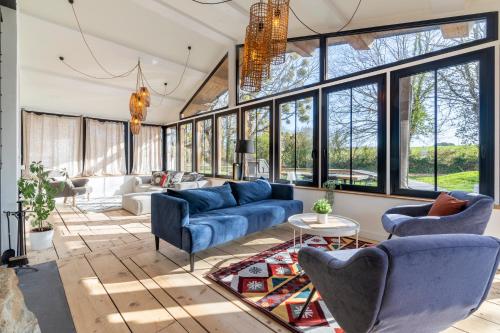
(41, 240)
(322, 218)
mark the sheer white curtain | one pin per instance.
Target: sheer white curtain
(104, 148)
(56, 141)
(148, 155)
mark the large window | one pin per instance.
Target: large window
(148, 152)
(213, 93)
(226, 137)
(354, 135)
(257, 124)
(104, 148)
(204, 145)
(186, 147)
(348, 54)
(171, 147)
(54, 140)
(442, 126)
(301, 68)
(297, 142)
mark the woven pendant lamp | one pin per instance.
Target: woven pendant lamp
(145, 96)
(135, 125)
(251, 73)
(137, 107)
(278, 14)
(257, 48)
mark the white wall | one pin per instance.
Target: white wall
(11, 142)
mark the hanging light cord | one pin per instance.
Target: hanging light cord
(141, 78)
(294, 14)
(90, 49)
(302, 22)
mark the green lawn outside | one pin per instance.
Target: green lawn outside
(463, 181)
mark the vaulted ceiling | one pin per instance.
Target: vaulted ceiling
(158, 32)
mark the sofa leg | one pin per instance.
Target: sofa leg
(157, 243)
(191, 262)
(390, 236)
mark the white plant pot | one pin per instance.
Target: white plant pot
(322, 218)
(41, 240)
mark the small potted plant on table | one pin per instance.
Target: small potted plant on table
(38, 195)
(322, 207)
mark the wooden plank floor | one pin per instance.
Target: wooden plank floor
(116, 282)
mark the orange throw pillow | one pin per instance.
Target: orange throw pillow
(445, 205)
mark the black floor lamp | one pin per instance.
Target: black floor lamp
(243, 147)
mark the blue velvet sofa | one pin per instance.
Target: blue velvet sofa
(198, 219)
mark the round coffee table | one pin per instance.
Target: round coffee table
(337, 226)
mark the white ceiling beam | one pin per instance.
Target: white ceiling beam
(185, 20)
(169, 63)
(90, 81)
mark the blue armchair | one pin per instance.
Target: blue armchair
(412, 284)
(413, 220)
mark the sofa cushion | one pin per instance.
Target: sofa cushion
(206, 199)
(223, 225)
(247, 192)
(446, 205)
(291, 207)
(156, 177)
(256, 219)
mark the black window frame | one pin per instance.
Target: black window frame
(195, 145)
(224, 58)
(486, 58)
(165, 147)
(216, 138)
(269, 104)
(289, 40)
(314, 94)
(491, 35)
(193, 156)
(380, 80)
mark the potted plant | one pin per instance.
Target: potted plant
(330, 187)
(37, 192)
(322, 207)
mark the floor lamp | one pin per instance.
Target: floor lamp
(244, 147)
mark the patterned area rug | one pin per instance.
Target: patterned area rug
(99, 205)
(272, 281)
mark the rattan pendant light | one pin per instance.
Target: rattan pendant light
(278, 13)
(135, 125)
(257, 50)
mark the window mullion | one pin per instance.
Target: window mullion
(350, 140)
(435, 132)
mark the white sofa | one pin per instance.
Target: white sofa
(138, 202)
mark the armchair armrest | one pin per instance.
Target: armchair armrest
(168, 216)
(351, 285)
(282, 191)
(80, 182)
(411, 210)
